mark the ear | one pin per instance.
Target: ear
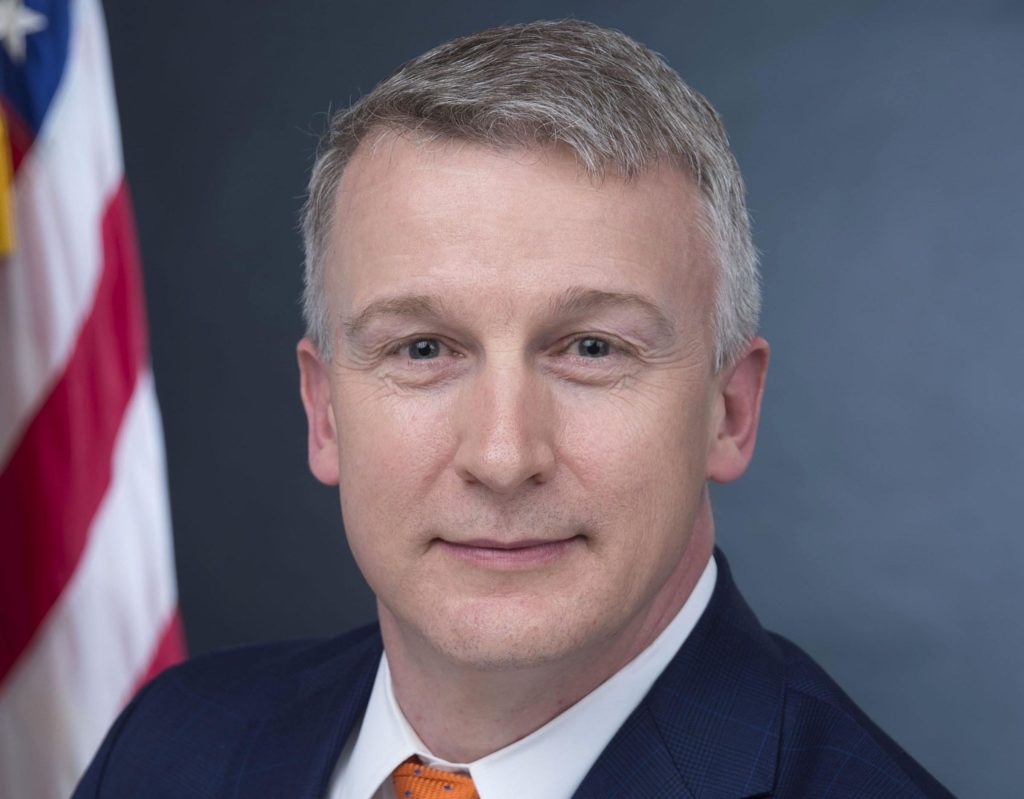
(736, 411)
(315, 387)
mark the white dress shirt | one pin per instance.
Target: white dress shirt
(549, 763)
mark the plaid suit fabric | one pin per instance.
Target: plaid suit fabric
(739, 712)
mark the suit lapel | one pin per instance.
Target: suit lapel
(294, 752)
(636, 764)
(709, 727)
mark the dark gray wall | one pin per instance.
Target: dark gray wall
(882, 142)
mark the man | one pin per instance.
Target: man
(532, 305)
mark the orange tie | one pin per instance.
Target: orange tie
(413, 780)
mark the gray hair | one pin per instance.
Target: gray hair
(612, 101)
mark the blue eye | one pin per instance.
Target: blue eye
(593, 347)
(423, 349)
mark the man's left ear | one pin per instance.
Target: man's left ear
(736, 411)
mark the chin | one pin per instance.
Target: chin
(510, 634)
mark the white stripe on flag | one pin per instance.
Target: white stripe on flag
(47, 284)
(64, 692)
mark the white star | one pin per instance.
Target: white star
(17, 22)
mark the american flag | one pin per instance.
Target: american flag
(88, 603)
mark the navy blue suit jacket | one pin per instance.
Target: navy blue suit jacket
(739, 712)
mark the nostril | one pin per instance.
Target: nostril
(505, 467)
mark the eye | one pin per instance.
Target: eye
(422, 349)
(590, 347)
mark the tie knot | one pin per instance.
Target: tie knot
(413, 780)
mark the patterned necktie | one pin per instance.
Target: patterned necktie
(413, 780)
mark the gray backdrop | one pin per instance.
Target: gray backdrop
(880, 523)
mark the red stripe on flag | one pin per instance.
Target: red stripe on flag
(60, 470)
(169, 650)
(19, 134)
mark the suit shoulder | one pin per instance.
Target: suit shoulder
(188, 732)
(269, 671)
(831, 744)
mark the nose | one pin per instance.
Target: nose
(506, 430)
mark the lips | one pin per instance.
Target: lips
(521, 553)
(487, 543)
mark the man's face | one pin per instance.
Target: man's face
(521, 410)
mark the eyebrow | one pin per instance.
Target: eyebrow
(573, 302)
(579, 301)
(413, 305)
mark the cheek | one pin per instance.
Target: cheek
(390, 450)
(642, 462)
(628, 440)
(383, 433)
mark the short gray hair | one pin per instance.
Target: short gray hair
(612, 101)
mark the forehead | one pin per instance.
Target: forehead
(449, 215)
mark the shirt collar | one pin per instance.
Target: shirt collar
(549, 762)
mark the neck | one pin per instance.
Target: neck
(463, 713)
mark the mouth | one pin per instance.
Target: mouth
(523, 553)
